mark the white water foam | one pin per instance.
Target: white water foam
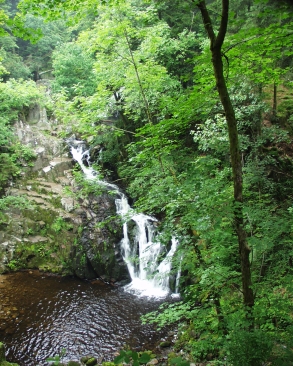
(149, 275)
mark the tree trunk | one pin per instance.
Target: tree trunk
(275, 102)
(216, 43)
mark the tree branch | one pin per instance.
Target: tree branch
(207, 21)
(223, 25)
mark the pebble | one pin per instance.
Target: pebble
(154, 361)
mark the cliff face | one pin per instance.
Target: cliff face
(60, 232)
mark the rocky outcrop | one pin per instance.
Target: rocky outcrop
(61, 231)
(41, 235)
(99, 242)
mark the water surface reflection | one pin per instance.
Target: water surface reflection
(41, 314)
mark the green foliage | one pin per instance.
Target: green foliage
(179, 361)
(86, 186)
(138, 85)
(12, 23)
(73, 71)
(20, 202)
(16, 97)
(249, 348)
(12, 62)
(57, 360)
(14, 265)
(59, 224)
(38, 55)
(8, 169)
(132, 357)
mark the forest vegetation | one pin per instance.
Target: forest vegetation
(191, 102)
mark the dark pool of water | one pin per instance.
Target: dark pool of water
(40, 315)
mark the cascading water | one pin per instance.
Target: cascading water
(150, 277)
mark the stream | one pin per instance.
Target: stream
(42, 314)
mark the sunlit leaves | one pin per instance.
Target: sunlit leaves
(72, 10)
(126, 41)
(73, 70)
(14, 95)
(212, 135)
(258, 51)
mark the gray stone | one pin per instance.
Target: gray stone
(154, 361)
(68, 203)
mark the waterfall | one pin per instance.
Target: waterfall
(149, 274)
(178, 276)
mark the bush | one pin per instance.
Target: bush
(249, 348)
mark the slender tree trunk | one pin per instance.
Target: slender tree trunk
(275, 102)
(216, 43)
(146, 104)
(236, 164)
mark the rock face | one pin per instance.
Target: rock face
(60, 232)
(99, 242)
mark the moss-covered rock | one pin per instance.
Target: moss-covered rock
(66, 233)
(97, 253)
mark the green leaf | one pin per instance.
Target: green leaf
(126, 359)
(144, 358)
(134, 356)
(120, 358)
(179, 361)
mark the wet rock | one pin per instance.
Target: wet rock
(99, 253)
(68, 203)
